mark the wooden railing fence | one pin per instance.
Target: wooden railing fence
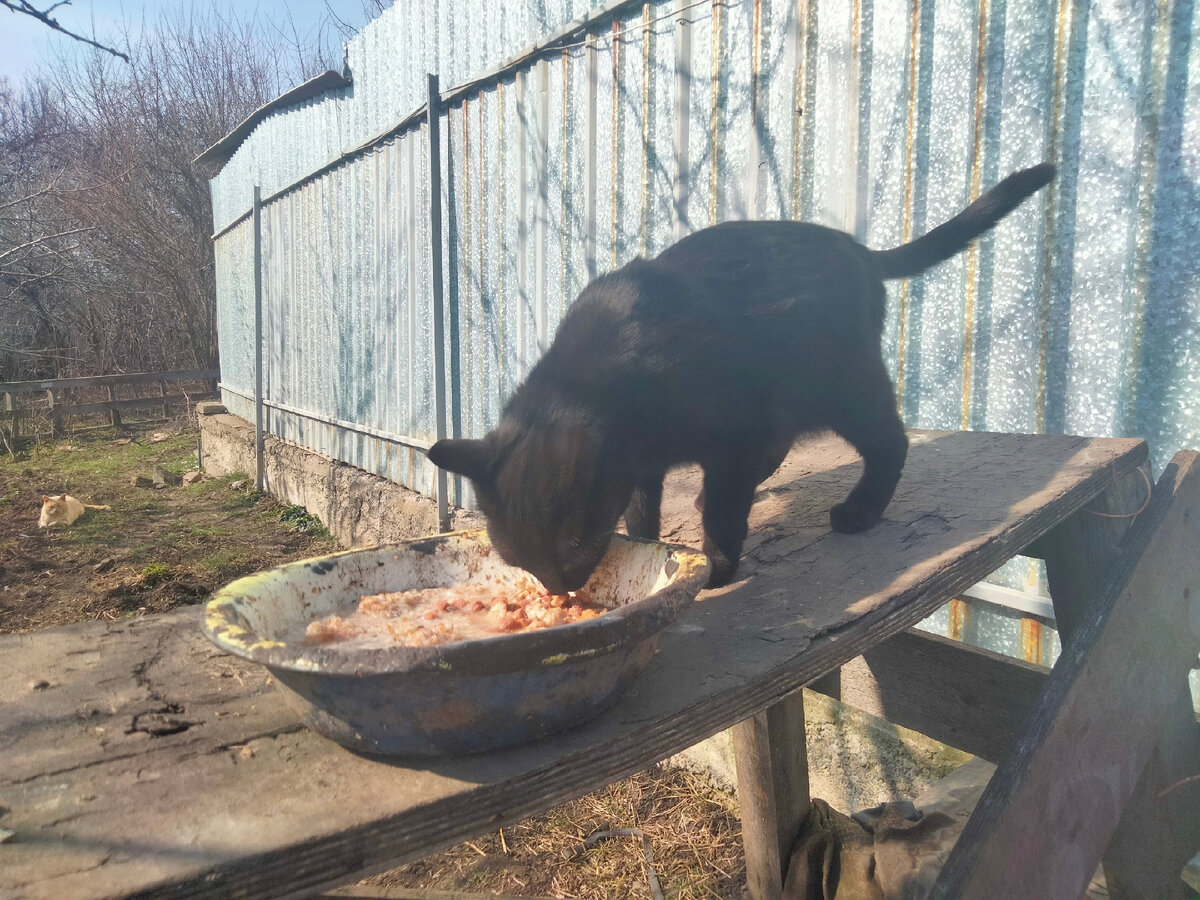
(26, 404)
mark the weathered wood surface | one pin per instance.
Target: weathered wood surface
(1160, 829)
(1156, 834)
(1077, 760)
(1080, 551)
(57, 384)
(969, 698)
(772, 777)
(161, 401)
(153, 762)
(56, 410)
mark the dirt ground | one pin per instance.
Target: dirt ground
(162, 547)
(157, 548)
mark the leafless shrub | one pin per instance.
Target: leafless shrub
(105, 255)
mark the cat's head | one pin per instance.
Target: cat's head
(549, 494)
(54, 503)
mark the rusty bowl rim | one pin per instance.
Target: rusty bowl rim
(553, 646)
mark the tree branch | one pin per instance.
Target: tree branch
(43, 16)
(41, 240)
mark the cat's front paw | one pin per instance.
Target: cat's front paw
(723, 568)
(850, 518)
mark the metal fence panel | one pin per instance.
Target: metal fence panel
(882, 117)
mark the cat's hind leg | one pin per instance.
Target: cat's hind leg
(866, 417)
(643, 515)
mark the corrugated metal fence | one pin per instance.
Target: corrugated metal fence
(637, 122)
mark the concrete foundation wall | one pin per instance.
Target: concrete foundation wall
(855, 760)
(359, 509)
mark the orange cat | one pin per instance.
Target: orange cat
(62, 510)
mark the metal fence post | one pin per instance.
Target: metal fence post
(435, 241)
(259, 463)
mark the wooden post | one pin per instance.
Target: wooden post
(1161, 825)
(433, 112)
(1157, 834)
(114, 414)
(162, 392)
(772, 776)
(10, 408)
(259, 462)
(1057, 802)
(55, 414)
(1080, 551)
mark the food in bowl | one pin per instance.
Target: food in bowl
(424, 617)
(459, 697)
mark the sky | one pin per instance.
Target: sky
(25, 42)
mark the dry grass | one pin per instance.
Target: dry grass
(691, 826)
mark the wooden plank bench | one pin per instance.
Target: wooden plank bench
(139, 760)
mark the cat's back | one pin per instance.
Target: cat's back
(745, 264)
(760, 248)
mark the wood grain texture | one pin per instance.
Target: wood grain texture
(772, 778)
(1157, 834)
(969, 698)
(26, 387)
(1078, 758)
(1160, 830)
(152, 762)
(1080, 551)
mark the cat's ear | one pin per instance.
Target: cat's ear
(63, 497)
(45, 499)
(465, 456)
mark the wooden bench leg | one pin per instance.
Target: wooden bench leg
(1157, 835)
(1160, 830)
(1080, 552)
(772, 776)
(1045, 819)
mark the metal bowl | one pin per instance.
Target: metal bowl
(462, 697)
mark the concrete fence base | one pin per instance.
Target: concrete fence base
(358, 508)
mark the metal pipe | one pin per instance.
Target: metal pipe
(589, 163)
(404, 440)
(259, 462)
(683, 92)
(435, 249)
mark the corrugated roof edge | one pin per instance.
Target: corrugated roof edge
(222, 150)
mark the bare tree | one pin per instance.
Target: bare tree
(106, 262)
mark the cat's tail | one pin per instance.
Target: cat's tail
(953, 237)
(89, 506)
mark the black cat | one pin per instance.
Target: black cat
(721, 351)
